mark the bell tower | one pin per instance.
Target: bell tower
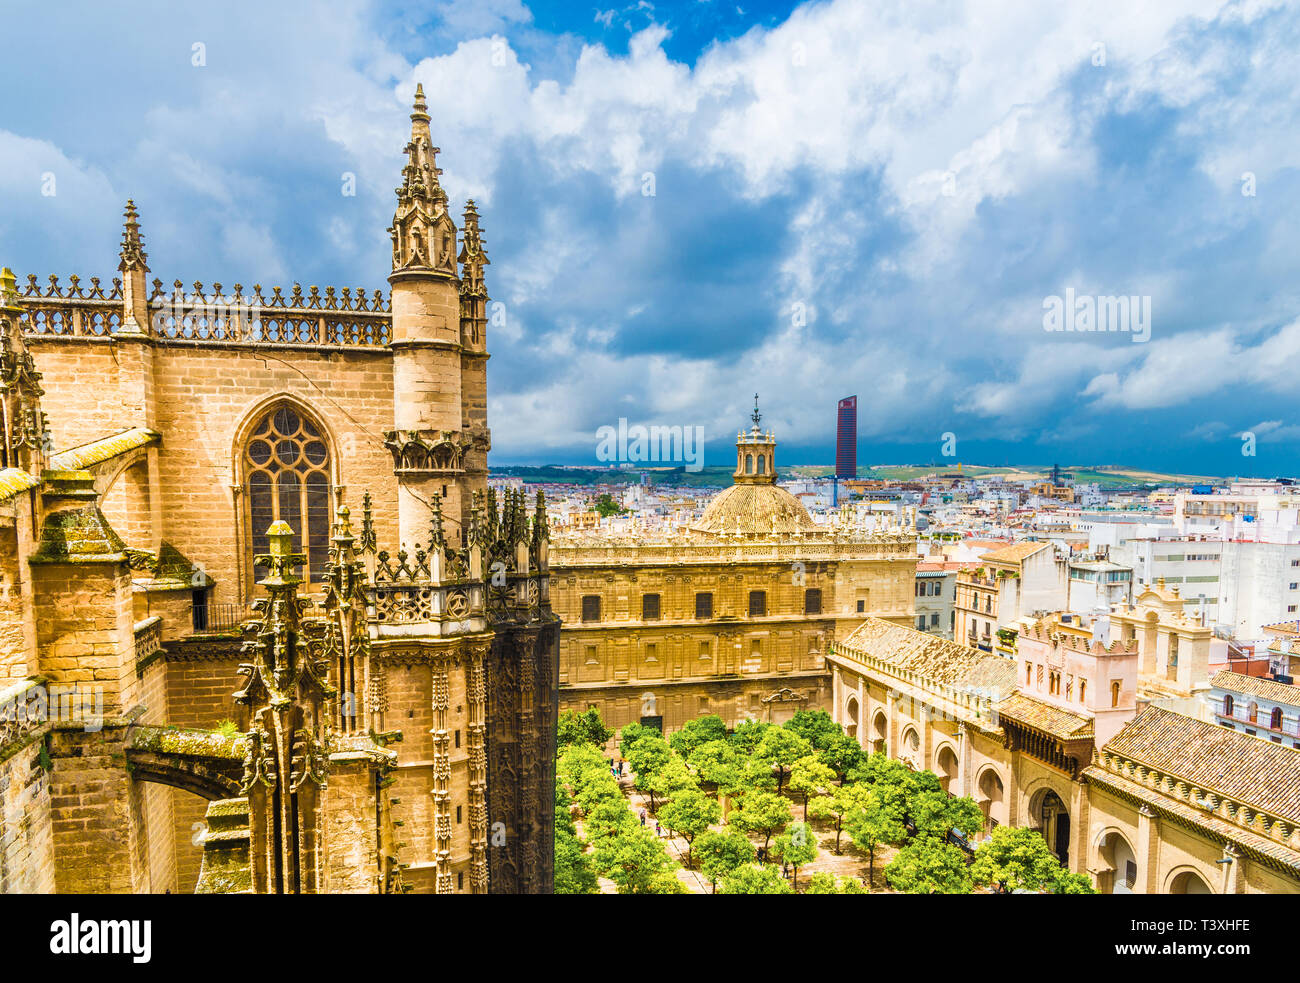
(755, 453)
(439, 441)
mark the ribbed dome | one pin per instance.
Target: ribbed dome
(752, 509)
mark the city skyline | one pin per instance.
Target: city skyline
(717, 203)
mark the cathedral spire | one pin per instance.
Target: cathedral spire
(424, 236)
(133, 266)
(473, 286)
(473, 257)
(287, 694)
(132, 253)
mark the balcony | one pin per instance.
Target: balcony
(148, 638)
(1290, 727)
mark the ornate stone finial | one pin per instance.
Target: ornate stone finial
(437, 537)
(28, 441)
(473, 257)
(343, 527)
(9, 292)
(133, 258)
(369, 543)
(541, 530)
(280, 558)
(421, 108)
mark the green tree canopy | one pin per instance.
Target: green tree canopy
(573, 869)
(647, 754)
(796, 847)
(889, 780)
(702, 730)
(836, 807)
(631, 733)
(575, 760)
(841, 754)
(929, 866)
(781, 748)
(934, 813)
(722, 851)
(605, 505)
(1074, 884)
(635, 861)
(755, 879)
(761, 813)
(871, 823)
(665, 781)
(747, 735)
(1017, 858)
(809, 777)
(719, 764)
(821, 882)
(689, 814)
(582, 728)
(814, 726)
(609, 818)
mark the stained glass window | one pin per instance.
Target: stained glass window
(287, 463)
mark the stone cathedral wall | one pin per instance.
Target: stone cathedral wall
(203, 395)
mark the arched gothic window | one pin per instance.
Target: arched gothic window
(286, 461)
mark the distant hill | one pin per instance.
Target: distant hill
(710, 477)
(1106, 475)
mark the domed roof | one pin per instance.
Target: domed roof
(756, 509)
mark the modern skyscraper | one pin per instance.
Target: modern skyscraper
(846, 439)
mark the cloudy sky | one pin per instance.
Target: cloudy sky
(688, 202)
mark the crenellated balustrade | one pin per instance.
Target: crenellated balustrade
(346, 318)
(500, 571)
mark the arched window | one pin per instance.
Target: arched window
(1275, 719)
(287, 465)
(1114, 694)
(762, 464)
(749, 464)
(1227, 705)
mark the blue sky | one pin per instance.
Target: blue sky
(870, 198)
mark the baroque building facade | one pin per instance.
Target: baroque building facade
(1092, 734)
(250, 561)
(733, 616)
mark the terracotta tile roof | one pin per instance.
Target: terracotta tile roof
(936, 659)
(1227, 762)
(1053, 720)
(987, 543)
(1254, 842)
(1285, 627)
(1016, 552)
(1268, 689)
